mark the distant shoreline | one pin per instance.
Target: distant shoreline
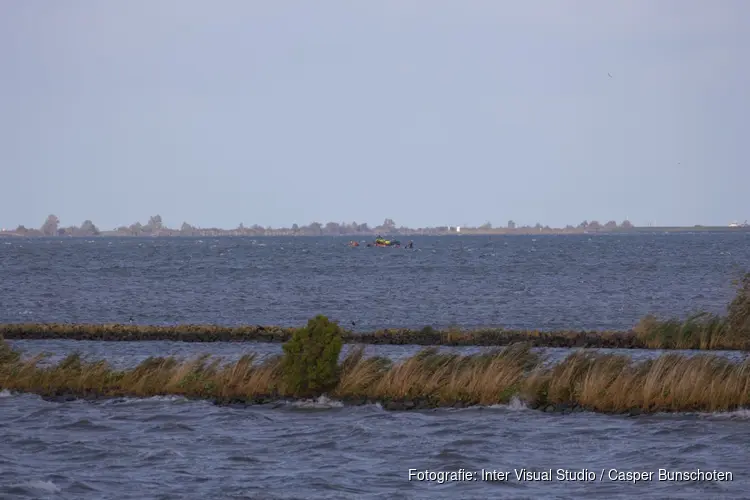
(155, 227)
(249, 232)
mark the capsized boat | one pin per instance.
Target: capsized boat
(381, 242)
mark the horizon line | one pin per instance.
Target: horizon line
(157, 221)
(156, 227)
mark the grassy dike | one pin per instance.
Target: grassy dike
(585, 381)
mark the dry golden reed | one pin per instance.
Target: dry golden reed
(584, 380)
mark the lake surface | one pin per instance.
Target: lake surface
(593, 282)
(164, 448)
(172, 448)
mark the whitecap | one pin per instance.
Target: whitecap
(516, 404)
(321, 402)
(740, 414)
(165, 453)
(47, 486)
(165, 399)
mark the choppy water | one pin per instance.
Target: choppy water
(598, 282)
(172, 448)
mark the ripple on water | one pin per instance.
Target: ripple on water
(171, 427)
(84, 425)
(608, 282)
(205, 451)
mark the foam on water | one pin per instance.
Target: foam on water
(322, 402)
(515, 404)
(152, 399)
(741, 414)
(43, 486)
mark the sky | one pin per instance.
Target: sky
(430, 113)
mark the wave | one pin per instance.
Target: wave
(321, 403)
(38, 485)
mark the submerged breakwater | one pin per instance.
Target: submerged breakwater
(257, 333)
(706, 332)
(583, 381)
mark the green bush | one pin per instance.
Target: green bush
(310, 363)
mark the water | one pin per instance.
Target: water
(596, 282)
(173, 448)
(123, 355)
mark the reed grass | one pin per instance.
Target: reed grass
(584, 380)
(700, 331)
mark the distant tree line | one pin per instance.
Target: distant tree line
(51, 227)
(155, 227)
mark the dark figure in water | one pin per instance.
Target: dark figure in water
(410, 245)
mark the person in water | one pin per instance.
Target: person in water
(410, 245)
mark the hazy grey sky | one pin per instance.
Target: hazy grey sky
(429, 112)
